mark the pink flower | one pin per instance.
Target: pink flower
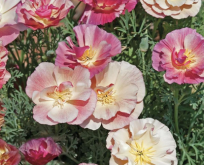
(61, 95)
(103, 11)
(120, 90)
(39, 14)
(9, 26)
(143, 142)
(9, 154)
(40, 151)
(96, 47)
(4, 74)
(177, 9)
(181, 55)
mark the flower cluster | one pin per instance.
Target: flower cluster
(86, 87)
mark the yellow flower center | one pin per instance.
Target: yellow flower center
(185, 60)
(87, 57)
(60, 97)
(190, 57)
(105, 97)
(4, 155)
(142, 155)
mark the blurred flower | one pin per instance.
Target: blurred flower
(9, 26)
(181, 55)
(96, 47)
(101, 12)
(177, 9)
(39, 14)
(4, 74)
(120, 90)
(79, 10)
(40, 151)
(9, 155)
(143, 142)
(61, 95)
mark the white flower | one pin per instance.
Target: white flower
(144, 142)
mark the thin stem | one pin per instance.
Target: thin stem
(176, 102)
(77, 162)
(176, 117)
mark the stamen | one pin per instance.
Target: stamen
(60, 97)
(87, 57)
(105, 97)
(142, 155)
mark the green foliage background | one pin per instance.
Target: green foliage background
(138, 32)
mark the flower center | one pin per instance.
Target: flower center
(102, 7)
(87, 57)
(183, 59)
(4, 155)
(60, 97)
(142, 155)
(105, 96)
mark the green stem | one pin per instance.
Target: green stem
(77, 162)
(176, 117)
(143, 65)
(56, 129)
(176, 102)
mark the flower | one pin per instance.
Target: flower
(9, 26)
(61, 95)
(176, 9)
(101, 12)
(4, 74)
(40, 151)
(39, 14)
(9, 155)
(79, 10)
(144, 141)
(120, 90)
(93, 53)
(180, 54)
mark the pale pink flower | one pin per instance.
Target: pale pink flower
(143, 142)
(9, 26)
(120, 90)
(96, 47)
(39, 14)
(177, 9)
(61, 95)
(40, 151)
(4, 74)
(181, 55)
(103, 11)
(9, 154)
